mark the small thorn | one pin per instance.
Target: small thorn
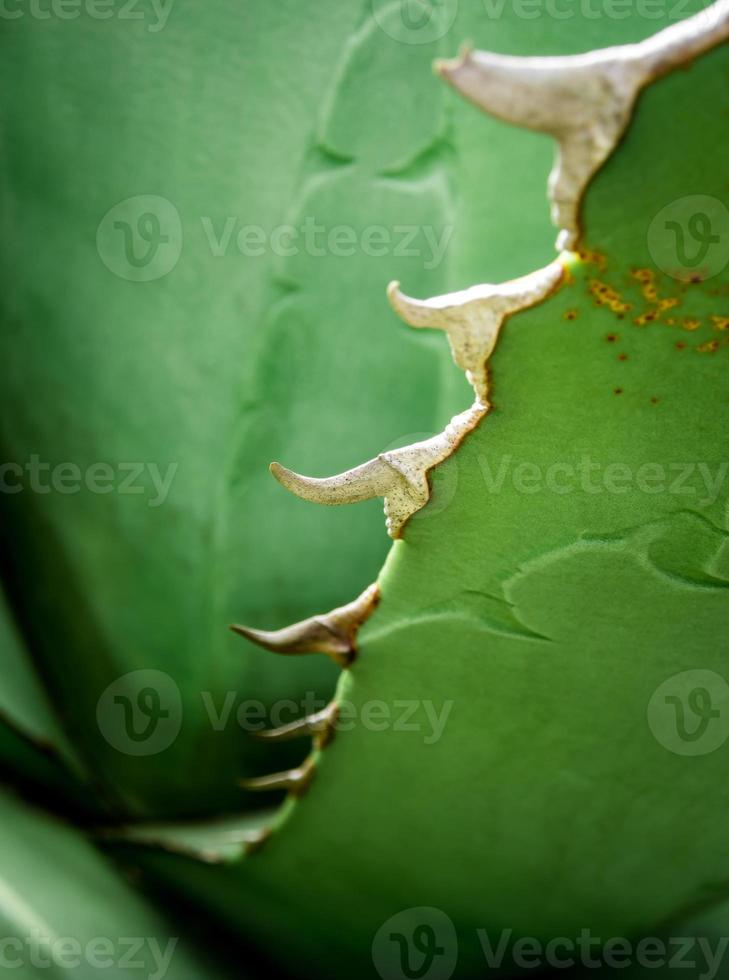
(292, 780)
(399, 475)
(473, 317)
(443, 66)
(333, 633)
(315, 638)
(319, 725)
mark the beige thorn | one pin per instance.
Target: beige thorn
(584, 101)
(400, 475)
(472, 318)
(332, 633)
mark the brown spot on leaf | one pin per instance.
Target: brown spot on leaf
(709, 347)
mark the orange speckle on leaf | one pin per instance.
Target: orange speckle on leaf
(690, 323)
(605, 295)
(667, 303)
(594, 258)
(642, 275)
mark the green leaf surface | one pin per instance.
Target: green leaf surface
(33, 747)
(545, 617)
(194, 380)
(271, 137)
(66, 913)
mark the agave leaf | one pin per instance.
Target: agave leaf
(66, 912)
(33, 747)
(23, 702)
(532, 627)
(354, 133)
(220, 841)
(195, 378)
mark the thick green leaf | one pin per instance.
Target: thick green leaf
(65, 912)
(236, 116)
(33, 748)
(538, 620)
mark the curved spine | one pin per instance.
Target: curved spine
(584, 101)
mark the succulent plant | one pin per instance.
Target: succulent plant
(500, 742)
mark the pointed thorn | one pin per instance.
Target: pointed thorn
(398, 475)
(333, 633)
(371, 479)
(584, 101)
(292, 780)
(473, 317)
(320, 726)
(308, 636)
